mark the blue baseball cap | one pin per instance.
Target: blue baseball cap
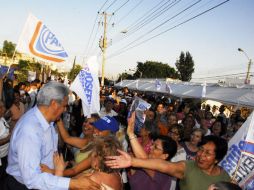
(106, 123)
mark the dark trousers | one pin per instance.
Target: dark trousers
(10, 183)
(3, 168)
(3, 173)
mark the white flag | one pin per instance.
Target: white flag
(86, 86)
(239, 161)
(157, 84)
(38, 41)
(203, 95)
(168, 88)
(31, 76)
(137, 84)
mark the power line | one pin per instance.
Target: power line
(103, 5)
(150, 14)
(142, 36)
(110, 5)
(128, 13)
(188, 20)
(153, 17)
(221, 76)
(144, 15)
(121, 6)
(97, 30)
(90, 36)
(148, 19)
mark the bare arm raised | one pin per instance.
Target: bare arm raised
(74, 141)
(175, 169)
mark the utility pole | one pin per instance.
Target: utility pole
(247, 80)
(103, 46)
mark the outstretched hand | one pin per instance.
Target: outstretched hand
(122, 161)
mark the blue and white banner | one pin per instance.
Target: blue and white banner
(139, 106)
(37, 40)
(157, 84)
(5, 70)
(137, 81)
(239, 161)
(86, 86)
(203, 95)
(168, 88)
(31, 76)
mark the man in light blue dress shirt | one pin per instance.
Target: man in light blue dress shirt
(34, 141)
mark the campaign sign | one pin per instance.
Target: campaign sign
(139, 106)
(45, 45)
(86, 85)
(239, 161)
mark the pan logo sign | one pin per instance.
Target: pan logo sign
(45, 45)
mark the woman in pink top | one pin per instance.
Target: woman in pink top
(145, 139)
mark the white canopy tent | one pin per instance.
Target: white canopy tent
(242, 95)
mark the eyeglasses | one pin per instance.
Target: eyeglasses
(205, 152)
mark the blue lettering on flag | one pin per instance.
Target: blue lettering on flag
(86, 80)
(230, 161)
(249, 147)
(142, 107)
(47, 43)
(3, 71)
(157, 84)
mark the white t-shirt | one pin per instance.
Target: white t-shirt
(103, 113)
(180, 156)
(4, 132)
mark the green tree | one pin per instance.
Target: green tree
(8, 48)
(153, 69)
(24, 67)
(185, 66)
(124, 76)
(74, 72)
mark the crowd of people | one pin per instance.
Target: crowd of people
(47, 143)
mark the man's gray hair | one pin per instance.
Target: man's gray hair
(52, 91)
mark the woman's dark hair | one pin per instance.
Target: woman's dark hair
(172, 114)
(169, 146)
(180, 130)
(187, 117)
(226, 186)
(221, 146)
(223, 127)
(181, 107)
(95, 116)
